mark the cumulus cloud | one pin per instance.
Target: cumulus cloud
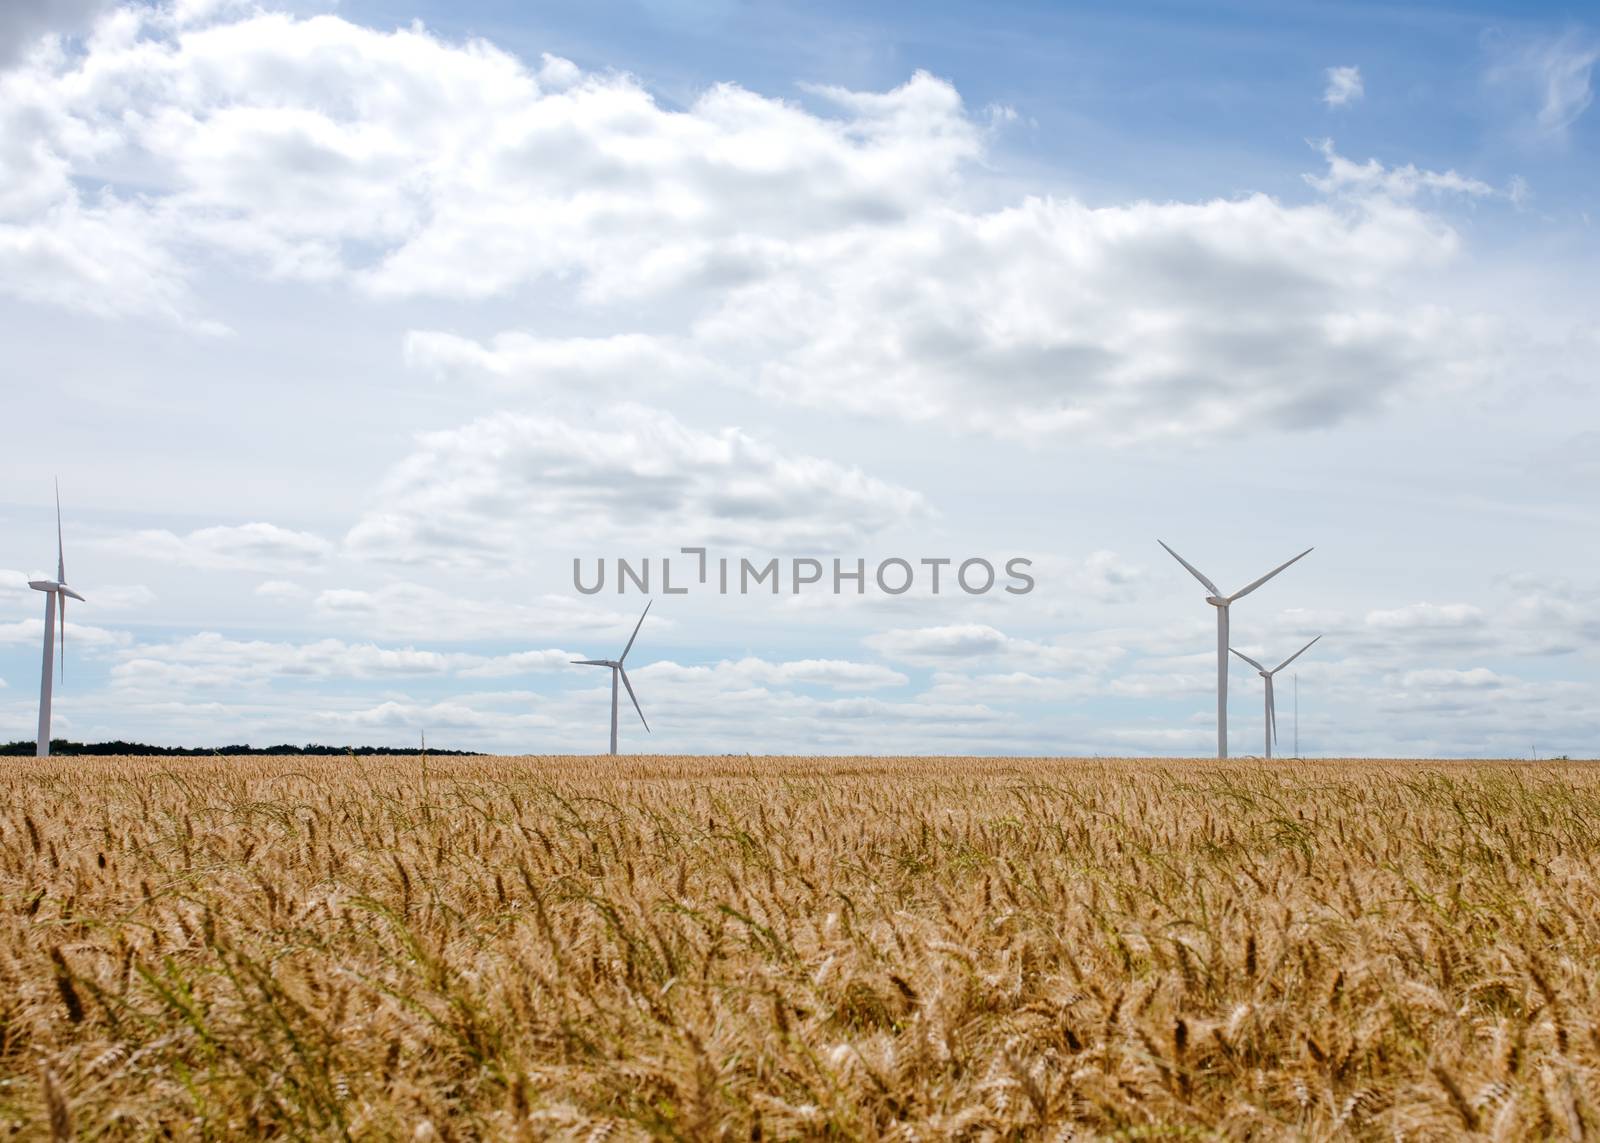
(243, 546)
(1055, 317)
(1144, 320)
(1445, 678)
(122, 597)
(210, 660)
(630, 361)
(837, 674)
(1344, 86)
(399, 163)
(14, 587)
(31, 631)
(481, 493)
(521, 663)
(751, 695)
(408, 610)
(481, 721)
(24, 22)
(944, 645)
(320, 149)
(1372, 180)
(1424, 615)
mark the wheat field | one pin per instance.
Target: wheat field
(778, 948)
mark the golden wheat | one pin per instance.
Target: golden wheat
(747, 948)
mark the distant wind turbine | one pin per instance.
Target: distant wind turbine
(619, 672)
(56, 593)
(1221, 603)
(1272, 706)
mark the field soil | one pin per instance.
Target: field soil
(777, 948)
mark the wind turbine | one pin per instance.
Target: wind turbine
(1272, 706)
(56, 593)
(619, 672)
(1221, 603)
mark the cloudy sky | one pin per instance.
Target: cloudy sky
(348, 326)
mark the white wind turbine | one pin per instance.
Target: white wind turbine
(1272, 706)
(618, 671)
(56, 593)
(1221, 603)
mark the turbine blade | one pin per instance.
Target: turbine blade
(591, 662)
(1194, 571)
(635, 635)
(61, 558)
(1294, 656)
(1248, 659)
(1248, 588)
(1272, 711)
(632, 696)
(67, 591)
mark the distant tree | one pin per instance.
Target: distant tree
(62, 746)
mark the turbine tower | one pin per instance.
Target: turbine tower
(1272, 706)
(56, 594)
(619, 672)
(1221, 603)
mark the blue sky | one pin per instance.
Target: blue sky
(348, 326)
(1170, 99)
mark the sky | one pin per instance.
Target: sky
(347, 328)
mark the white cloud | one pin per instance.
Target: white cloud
(459, 716)
(1426, 616)
(122, 597)
(1568, 69)
(403, 164)
(838, 674)
(1344, 86)
(629, 361)
(1372, 179)
(1054, 317)
(1551, 77)
(210, 660)
(24, 22)
(1444, 678)
(319, 149)
(280, 589)
(14, 587)
(418, 611)
(31, 632)
(521, 663)
(1005, 689)
(481, 493)
(941, 645)
(244, 546)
